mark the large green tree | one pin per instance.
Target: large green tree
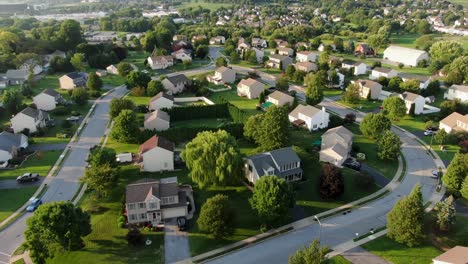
(12, 101)
(69, 35)
(119, 104)
(216, 216)
(351, 95)
(464, 188)
(411, 86)
(137, 79)
(78, 61)
(445, 214)
(378, 41)
(444, 52)
(125, 127)
(388, 145)
(312, 254)
(101, 156)
(457, 171)
(272, 199)
(373, 125)
(154, 87)
(101, 178)
(213, 159)
(394, 107)
(79, 96)
(54, 227)
(94, 82)
(315, 83)
(124, 68)
(405, 221)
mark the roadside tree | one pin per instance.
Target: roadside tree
(331, 182)
(126, 128)
(312, 254)
(456, 173)
(101, 178)
(388, 146)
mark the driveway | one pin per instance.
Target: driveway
(13, 184)
(176, 244)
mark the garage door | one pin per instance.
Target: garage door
(173, 212)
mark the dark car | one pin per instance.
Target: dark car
(28, 177)
(182, 223)
(352, 164)
(34, 205)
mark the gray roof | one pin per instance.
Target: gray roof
(306, 110)
(34, 113)
(177, 79)
(408, 96)
(274, 159)
(139, 190)
(420, 78)
(9, 140)
(51, 92)
(162, 94)
(278, 57)
(17, 75)
(382, 69)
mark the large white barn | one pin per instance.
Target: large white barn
(407, 56)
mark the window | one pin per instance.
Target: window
(168, 200)
(152, 206)
(132, 217)
(143, 216)
(141, 205)
(131, 206)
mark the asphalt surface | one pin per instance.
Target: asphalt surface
(342, 228)
(176, 244)
(13, 184)
(47, 147)
(64, 186)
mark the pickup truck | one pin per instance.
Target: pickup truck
(28, 177)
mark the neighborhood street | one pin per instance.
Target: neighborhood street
(342, 228)
(67, 182)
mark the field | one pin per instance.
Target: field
(12, 199)
(206, 5)
(408, 40)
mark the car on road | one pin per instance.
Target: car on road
(352, 164)
(34, 205)
(73, 118)
(182, 223)
(429, 132)
(28, 177)
(435, 174)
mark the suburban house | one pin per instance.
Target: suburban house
(286, 51)
(218, 40)
(457, 92)
(182, 55)
(175, 83)
(243, 46)
(364, 49)
(157, 120)
(406, 56)
(455, 255)
(156, 154)
(341, 78)
(277, 60)
(32, 65)
(322, 47)
(112, 69)
(280, 99)
(16, 76)
(11, 144)
(281, 43)
(176, 38)
(160, 101)
(259, 54)
(423, 80)
(250, 88)
(47, 100)
(336, 145)
(101, 73)
(454, 122)
(29, 118)
(47, 58)
(306, 56)
(283, 163)
(160, 62)
(222, 75)
(310, 117)
(413, 100)
(259, 43)
(198, 38)
(153, 201)
(306, 66)
(305, 45)
(357, 67)
(378, 72)
(369, 89)
(73, 80)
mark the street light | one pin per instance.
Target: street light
(320, 230)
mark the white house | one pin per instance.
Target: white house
(336, 145)
(413, 100)
(73, 80)
(406, 56)
(112, 69)
(157, 154)
(358, 68)
(454, 122)
(47, 100)
(310, 117)
(16, 76)
(286, 51)
(175, 84)
(218, 40)
(369, 89)
(250, 88)
(423, 80)
(457, 92)
(157, 120)
(10, 144)
(160, 101)
(160, 62)
(306, 66)
(306, 56)
(29, 118)
(276, 61)
(280, 99)
(259, 54)
(322, 47)
(222, 75)
(378, 72)
(259, 43)
(341, 78)
(182, 54)
(36, 68)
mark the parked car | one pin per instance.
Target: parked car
(435, 174)
(73, 118)
(182, 223)
(432, 128)
(429, 132)
(34, 205)
(28, 177)
(3, 164)
(352, 164)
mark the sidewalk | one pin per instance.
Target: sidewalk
(359, 255)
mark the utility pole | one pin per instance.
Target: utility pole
(320, 230)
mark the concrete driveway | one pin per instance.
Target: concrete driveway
(176, 244)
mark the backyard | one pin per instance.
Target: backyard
(248, 105)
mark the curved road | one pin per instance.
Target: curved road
(67, 182)
(342, 228)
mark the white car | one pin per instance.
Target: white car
(435, 174)
(429, 132)
(73, 118)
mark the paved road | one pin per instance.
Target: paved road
(379, 179)
(64, 186)
(342, 228)
(176, 244)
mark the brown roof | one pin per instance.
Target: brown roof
(278, 95)
(248, 82)
(156, 141)
(306, 110)
(451, 120)
(369, 84)
(162, 94)
(408, 96)
(341, 131)
(159, 59)
(456, 255)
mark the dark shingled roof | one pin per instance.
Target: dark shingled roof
(51, 92)
(139, 190)
(9, 140)
(156, 141)
(274, 159)
(34, 113)
(177, 79)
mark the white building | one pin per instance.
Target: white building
(280, 99)
(222, 75)
(175, 84)
(336, 145)
(29, 118)
(157, 120)
(157, 154)
(11, 144)
(250, 88)
(306, 56)
(47, 100)
(182, 55)
(310, 117)
(160, 101)
(413, 100)
(378, 72)
(406, 56)
(457, 92)
(358, 68)
(454, 122)
(424, 81)
(160, 62)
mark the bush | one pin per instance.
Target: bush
(61, 110)
(142, 108)
(94, 94)
(335, 121)
(138, 91)
(401, 65)
(66, 124)
(198, 112)
(135, 237)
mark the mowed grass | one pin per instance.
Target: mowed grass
(364, 105)
(205, 5)
(397, 253)
(205, 122)
(41, 162)
(137, 58)
(338, 260)
(248, 105)
(12, 199)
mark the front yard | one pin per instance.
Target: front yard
(12, 199)
(40, 162)
(364, 105)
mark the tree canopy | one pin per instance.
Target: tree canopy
(394, 107)
(312, 254)
(101, 178)
(216, 216)
(125, 128)
(388, 145)
(373, 125)
(94, 82)
(118, 104)
(457, 171)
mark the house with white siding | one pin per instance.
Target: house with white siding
(423, 80)
(378, 72)
(415, 101)
(157, 120)
(11, 144)
(176, 83)
(250, 88)
(454, 122)
(156, 154)
(369, 89)
(29, 118)
(160, 101)
(306, 56)
(406, 56)
(358, 68)
(310, 117)
(47, 100)
(160, 62)
(280, 99)
(336, 145)
(457, 92)
(222, 75)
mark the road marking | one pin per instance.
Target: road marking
(5, 254)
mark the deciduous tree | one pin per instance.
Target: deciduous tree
(394, 107)
(101, 156)
(456, 173)
(78, 61)
(217, 216)
(388, 145)
(12, 101)
(331, 182)
(373, 125)
(79, 96)
(351, 95)
(154, 87)
(124, 68)
(312, 254)
(117, 105)
(125, 128)
(445, 214)
(94, 82)
(101, 178)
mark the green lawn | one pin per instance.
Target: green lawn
(113, 80)
(364, 105)
(183, 67)
(338, 260)
(41, 162)
(12, 199)
(19, 261)
(121, 147)
(137, 58)
(332, 92)
(206, 5)
(397, 253)
(249, 105)
(139, 100)
(205, 122)
(404, 40)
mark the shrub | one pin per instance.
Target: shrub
(61, 110)
(94, 94)
(138, 91)
(142, 108)
(135, 237)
